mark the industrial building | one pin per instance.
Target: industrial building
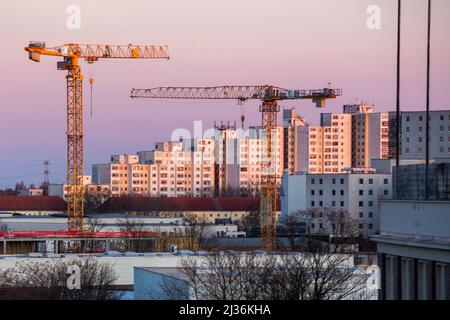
(31, 205)
(207, 210)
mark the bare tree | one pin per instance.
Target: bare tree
(3, 227)
(93, 224)
(170, 288)
(319, 275)
(336, 223)
(48, 281)
(197, 233)
(305, 217)
(230, 276)
(251, 223)
(137, 227)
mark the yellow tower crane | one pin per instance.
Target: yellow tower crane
(269, 95)
(71, 53)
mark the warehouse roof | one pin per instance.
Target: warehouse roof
(150, 204)
(32, 203)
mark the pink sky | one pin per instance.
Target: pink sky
(295, 44)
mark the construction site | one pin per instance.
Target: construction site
(76, 238)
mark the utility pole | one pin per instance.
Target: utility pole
(427, 126)
(397, 147)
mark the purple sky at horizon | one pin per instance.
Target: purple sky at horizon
(295, 44)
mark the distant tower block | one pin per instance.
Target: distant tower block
(46, 173)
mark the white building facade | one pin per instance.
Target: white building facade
(357, 194)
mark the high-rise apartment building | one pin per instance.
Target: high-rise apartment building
(239, 156)
(124, 174)
(370, 134)
(173, 169)
(325, 148)
(291, 123)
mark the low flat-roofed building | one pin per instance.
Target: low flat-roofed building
(32, 205)
(150, 283)
(204, 209)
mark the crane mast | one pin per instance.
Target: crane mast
(269, 108)
(71, 53)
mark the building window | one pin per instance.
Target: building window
(361, 215)
(361, 192)
(370, 181)
(342, 203)
(386, 192)
(370, 203)
(361, 204)
(342, 192)
(312, 204)
(312, 192)
(334, 181)
(342, 181)
(370, 215)
(361, 181)
(370, 226)
(320, 181)
(333, 192)
(386, 181)
(370, 192)
(320, 192)
(313, 181)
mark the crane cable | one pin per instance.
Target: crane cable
(91, 81)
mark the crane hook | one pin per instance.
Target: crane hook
(91, 81)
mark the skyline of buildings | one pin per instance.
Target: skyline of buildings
(229, 161)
